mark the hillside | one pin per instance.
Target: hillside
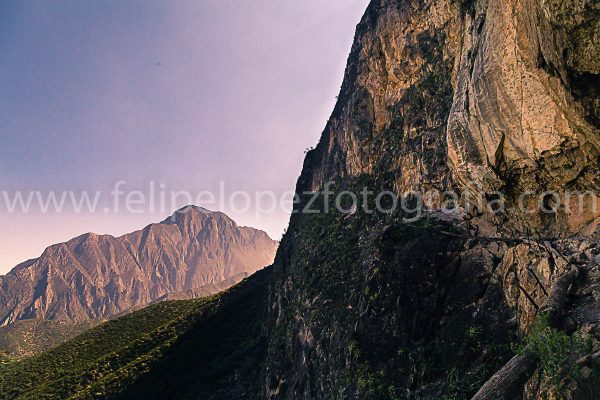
(183, 348)
(99, 276)
(28, 337)
(25, 338)
(204, 291)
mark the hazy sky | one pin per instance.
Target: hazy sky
(181, 93)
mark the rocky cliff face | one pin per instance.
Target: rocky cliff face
(95, 276)
(483, 96)
(493, 100)
(525, 112)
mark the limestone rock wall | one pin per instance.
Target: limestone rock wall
(487, 97)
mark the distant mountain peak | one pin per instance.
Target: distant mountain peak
(193, 209)
(192, 212)
(93, 276)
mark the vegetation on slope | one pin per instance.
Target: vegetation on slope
(108, 360)
(28, 337)
(382, 308)
(560, 373)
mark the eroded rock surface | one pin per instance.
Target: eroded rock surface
(494, 99)
(95, 276)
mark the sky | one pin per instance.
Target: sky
(120, 96)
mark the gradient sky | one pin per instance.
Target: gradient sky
(185, 93)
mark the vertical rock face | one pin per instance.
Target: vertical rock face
(492, 98)
(500, 96)
(95, 276)
(390, 120)
(525, 111)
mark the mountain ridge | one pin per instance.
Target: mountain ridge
(96, 276)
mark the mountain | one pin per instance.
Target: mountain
(495, 101)
(98, 276)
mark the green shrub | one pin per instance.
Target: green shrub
(374, 386)
(555, 350)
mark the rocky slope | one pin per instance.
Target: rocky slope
(95, 276)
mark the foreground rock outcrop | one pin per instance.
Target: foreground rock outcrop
(493, 104)
(194, 252)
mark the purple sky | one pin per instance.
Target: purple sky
(184, 93)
